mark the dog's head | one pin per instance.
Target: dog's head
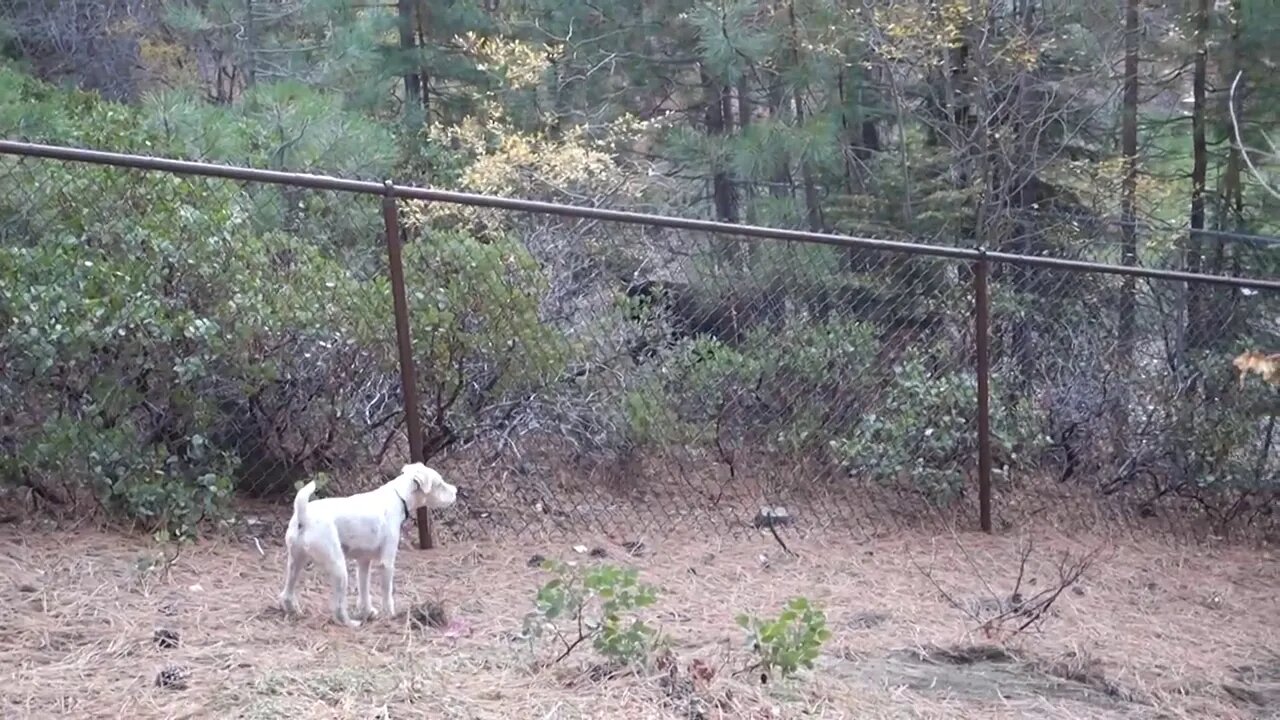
(1247, 360)
(429, 489)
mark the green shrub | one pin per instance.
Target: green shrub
(923, 430)
(783, 388)
(596, 605)
(475, 310)
(790, 642)
(167, 494)
(1215, 443)
(167, 338)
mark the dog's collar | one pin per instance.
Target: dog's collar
(404, 505)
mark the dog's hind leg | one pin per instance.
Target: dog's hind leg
(336, 566)
(362, 587)
(294, 562)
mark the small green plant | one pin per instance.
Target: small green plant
(598, 603)
(788, 642)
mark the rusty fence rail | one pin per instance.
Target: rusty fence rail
(1141, 462)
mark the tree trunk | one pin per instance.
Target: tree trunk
(1126, 325)
(852, 180)
(747, 199)
(861, 144)
(408, 51)
(1221, 308)
(782, 182)
(251, 46)
(870, 137)
(1194, 259)
(717, 101)
(1232, 187)
(812, 208)
(422, 15)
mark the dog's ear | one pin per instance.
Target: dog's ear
(425, 477)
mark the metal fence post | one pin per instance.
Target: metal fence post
(408, 380)
(982, 337)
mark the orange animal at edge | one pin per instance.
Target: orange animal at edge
(1268, 366)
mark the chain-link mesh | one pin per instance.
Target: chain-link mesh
(1146, 420)
(626, 379)
(171, 344)
(1143, 418)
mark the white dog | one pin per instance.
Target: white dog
(365, 527)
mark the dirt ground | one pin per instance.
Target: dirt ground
(90, 619)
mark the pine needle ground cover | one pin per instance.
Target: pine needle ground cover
(100, 624)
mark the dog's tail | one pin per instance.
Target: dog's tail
(300, 501)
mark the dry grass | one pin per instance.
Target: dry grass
(1153, 631)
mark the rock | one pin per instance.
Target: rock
(867, 620)
(428, 614)
(635, 547)
(173, 678)
(772, 517)
(166, 639)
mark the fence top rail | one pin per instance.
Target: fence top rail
(326, 182)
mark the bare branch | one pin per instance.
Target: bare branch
(1244, 151)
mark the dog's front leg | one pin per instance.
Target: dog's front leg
(388, 578)
(362, 586)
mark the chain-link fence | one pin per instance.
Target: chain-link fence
(1134, 383)
(179, 338)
